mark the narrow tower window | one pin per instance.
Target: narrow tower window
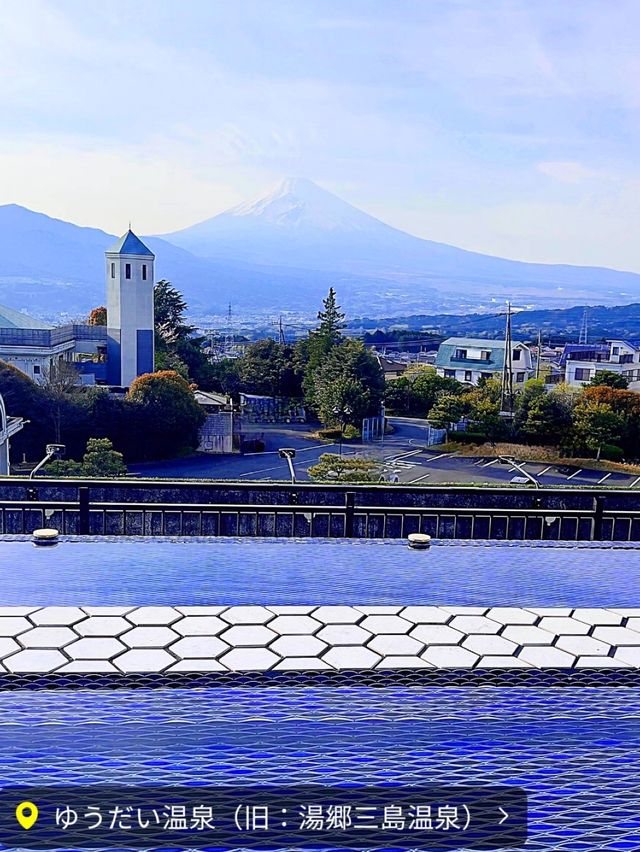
(144, 271)
(127, 270)
(113, 270)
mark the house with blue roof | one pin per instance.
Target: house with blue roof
(469, 359)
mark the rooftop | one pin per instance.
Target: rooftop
(129, 243)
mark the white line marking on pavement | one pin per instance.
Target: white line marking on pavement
(419, 478)
(488, 464)
(298, 450)
(600, 481)
(439, 456)
(404, 455)
(635, 482)
(545, 470)
(575, 473)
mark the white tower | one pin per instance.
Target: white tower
(130, 316)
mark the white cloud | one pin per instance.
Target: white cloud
(568, 172)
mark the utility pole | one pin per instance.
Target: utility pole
(281, 331)
(506, 396)
(539, 351)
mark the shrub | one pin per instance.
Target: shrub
(611, 453)
(467, 437)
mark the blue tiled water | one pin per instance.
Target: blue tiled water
(316, 571)
(575, 751)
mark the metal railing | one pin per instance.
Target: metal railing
(98, 507)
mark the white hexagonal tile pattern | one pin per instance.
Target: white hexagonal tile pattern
(199, 647)
(13, 625)
(583, 645)
(617, 635)
(154, 615)
(597, 616)
(527, 634)
(511, 615)
(501, 662)
(249, 659)
(386, 624)
(474, 624)
(246, 615)
(197, 665)
(89, 667)
(351, 657)
(298, 646)
(628, 655)
(103, 625)
(563, 626)
(17, 610)
(396, 645)
(343, 634)
(58, 616)
(437, 634)
(144, 660)
(337, 614)
(601, 663)
(296, 624)
(403, 662)
(8, 646)
(425, 614)
(301, 664)
(95, 648)
(47, 637)
(200, 625)
(248, 635)
(547, 657)
(486, 644)
(149, 637)
(450, 657)
(35, 661)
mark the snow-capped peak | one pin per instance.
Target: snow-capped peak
(299, 204)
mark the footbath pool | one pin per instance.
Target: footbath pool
(144, 571)
(575, 751)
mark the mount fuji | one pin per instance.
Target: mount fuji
(304, 230)
(283, 252)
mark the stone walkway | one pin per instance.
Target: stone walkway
(259, 638)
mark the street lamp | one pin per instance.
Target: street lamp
(289, 454)
(54, 451)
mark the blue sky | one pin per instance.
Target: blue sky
(504, 126)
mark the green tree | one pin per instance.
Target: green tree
(99, 460)
(269, 368)
(312, 353)
(447, 409)
(596, 424)
(608, 378)
(170, 405)
(176, 346)
(349, 385)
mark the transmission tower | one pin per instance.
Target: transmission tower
(583, 337)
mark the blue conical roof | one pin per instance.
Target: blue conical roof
(130, 244)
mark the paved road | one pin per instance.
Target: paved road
(403, 453)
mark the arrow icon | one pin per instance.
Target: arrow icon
(504, 817)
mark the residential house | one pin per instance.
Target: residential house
(469, 359)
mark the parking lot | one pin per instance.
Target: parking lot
(403, 456)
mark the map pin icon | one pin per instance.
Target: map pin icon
(27, 814)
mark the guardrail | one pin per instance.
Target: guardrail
(197, 508)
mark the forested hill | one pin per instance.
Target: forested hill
(621, 321)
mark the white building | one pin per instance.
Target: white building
(469, 359)
(581, 362)
(130, 315)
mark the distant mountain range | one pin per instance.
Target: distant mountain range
(561, 325)
(283, 252)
